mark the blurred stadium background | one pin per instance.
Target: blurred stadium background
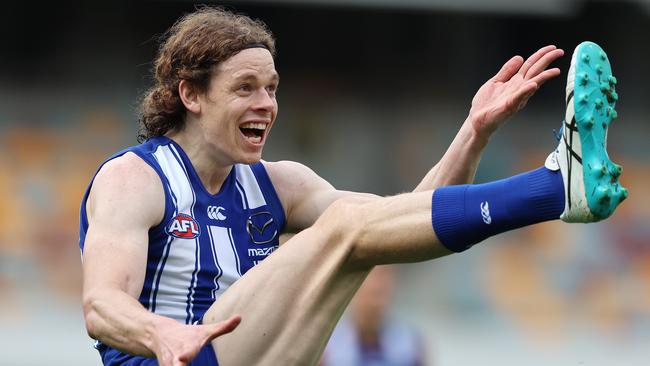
(372, 92)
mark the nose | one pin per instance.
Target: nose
(264, 101)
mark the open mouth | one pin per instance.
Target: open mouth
(253, 131)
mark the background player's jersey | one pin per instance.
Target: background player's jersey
(205, 242)
(397, 345)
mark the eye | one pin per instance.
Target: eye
(245, 87)
(272, 89)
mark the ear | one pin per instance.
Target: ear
(189, 96)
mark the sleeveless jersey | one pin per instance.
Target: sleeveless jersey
(398, 345)
(205, 242)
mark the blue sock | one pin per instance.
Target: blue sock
(467, 214)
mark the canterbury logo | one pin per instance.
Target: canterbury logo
(485, 212)
(215, 213)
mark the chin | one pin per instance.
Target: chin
(250, 159)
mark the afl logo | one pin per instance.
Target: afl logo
(183, 226)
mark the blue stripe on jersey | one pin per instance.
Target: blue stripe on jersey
(190, 294)
(154, 293)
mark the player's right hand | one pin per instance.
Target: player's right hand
(509, 90)
(178, 344)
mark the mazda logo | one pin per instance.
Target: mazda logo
(261, 227)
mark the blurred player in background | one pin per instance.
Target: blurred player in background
(177, 233)
(367, 335)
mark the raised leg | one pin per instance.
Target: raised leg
(291, 301)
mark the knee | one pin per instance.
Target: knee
(345, 221)
(344, 216)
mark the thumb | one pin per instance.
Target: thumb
(223, 327)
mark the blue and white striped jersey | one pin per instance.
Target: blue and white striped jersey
(205, 242)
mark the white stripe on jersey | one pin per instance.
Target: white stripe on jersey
(165, 252)
(176, 277)
(254, 194)
(234, 250)
(242, 195)
(228, 261)
(197, 256)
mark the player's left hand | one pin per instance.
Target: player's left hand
(509, 90)
(177, 344)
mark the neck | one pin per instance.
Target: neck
(212, 171)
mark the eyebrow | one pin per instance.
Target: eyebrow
(253, 75)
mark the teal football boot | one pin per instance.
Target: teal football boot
(591, 186)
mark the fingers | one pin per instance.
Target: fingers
(523, 94)
(545, 76)
(199, 336)
(534, 58)
(527, 90)
(533, 67)
(223, 327)
(541, 64)
(509, 69)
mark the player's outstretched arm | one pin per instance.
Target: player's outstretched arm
(499, 98)
(125, 201)
(305, 195)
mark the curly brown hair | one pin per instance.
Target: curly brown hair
(189, 51)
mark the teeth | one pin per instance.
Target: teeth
(254, 125)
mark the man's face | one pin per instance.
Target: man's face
(239, 108)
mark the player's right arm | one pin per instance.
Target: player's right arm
(125, 201)
(498, 99)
